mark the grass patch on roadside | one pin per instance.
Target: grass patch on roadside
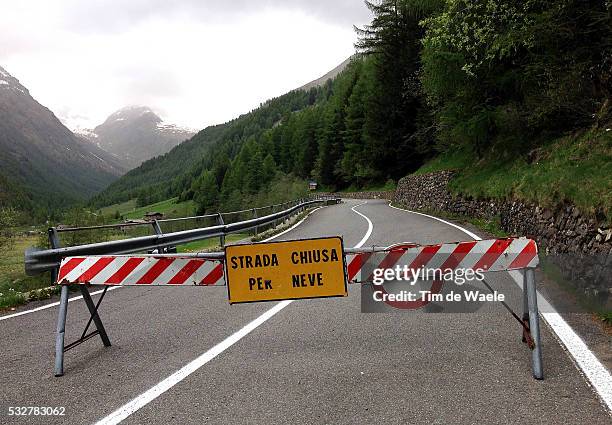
(122, 208)
(574, 168)
(13, 280)
(208, 244)
(171, 208)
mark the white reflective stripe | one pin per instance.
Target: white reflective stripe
(204, 271)
(475, 254)
(535, 261)
(110, 270)
(80, 269)
(408, 257)
(513, 251)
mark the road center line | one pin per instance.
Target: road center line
(151, 394)
(370, 226)
(597, 375)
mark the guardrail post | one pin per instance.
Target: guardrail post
(286, 219)
(255, 216)
(158, 231)
(529, 287)
(222, 237)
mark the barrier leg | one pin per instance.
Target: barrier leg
(525, 305)
(534, 323)
(61, 331)
(93, 310)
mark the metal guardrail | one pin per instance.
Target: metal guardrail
(38, 261)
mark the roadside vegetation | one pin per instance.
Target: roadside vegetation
(130, 210)
(574, 168)
(17, 288)
(515, 94)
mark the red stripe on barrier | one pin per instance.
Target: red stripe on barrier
(212, 277)
(68, 267)
(357, 263)
(190, 268)
(461, 250)
(492, 254)
(525, 256)
(425, 256)
(154, 272)
(124, 271)
(96, 268)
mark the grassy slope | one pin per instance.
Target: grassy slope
(12, 275)
(574, 169)
(13, 279)
(169, 207)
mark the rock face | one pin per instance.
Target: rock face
(579, 244)
(135, 134)
(363, 195)
(41, 156)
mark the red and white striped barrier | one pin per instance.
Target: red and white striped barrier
(491, 255)
(141, 270)
(488, 255)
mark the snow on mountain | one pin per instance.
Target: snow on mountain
(135, 134)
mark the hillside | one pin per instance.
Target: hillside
(172, 174)
(42, 163)
(501, 92)
(135, 134)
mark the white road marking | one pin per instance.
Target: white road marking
(596, 373)
(467, 232)
(148, 396)
(292, 227)
(55, 304)
(370, 226)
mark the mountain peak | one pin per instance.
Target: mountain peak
(130, 113)
(39, 152)
(136, 133)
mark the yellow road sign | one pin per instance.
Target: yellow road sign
(310, 268)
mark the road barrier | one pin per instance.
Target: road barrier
(209, 269)
(38, 261)
(496, 255)
(141, 270)
(486, 255)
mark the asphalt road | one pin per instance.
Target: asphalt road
(314, 361)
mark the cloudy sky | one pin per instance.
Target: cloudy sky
(195, 62)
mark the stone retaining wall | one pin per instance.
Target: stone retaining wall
(363, 195)
(580, 244)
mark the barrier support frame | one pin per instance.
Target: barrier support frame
(60, 347)
(531, 315)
